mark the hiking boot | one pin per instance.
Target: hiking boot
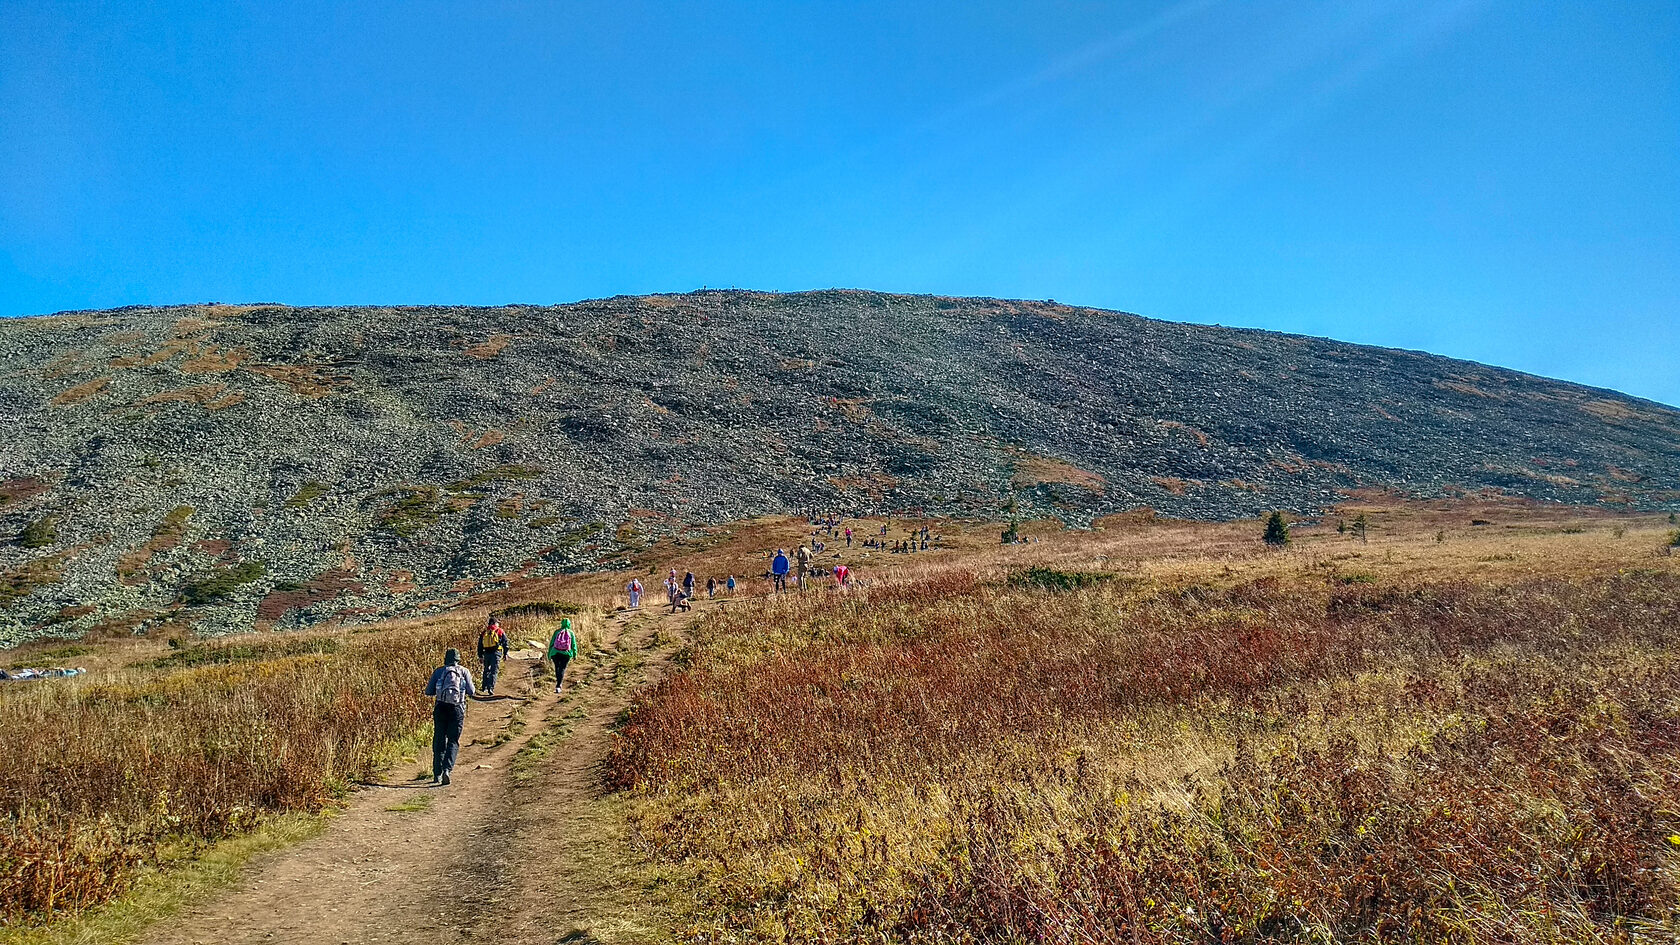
(446, 778)
(556, 690)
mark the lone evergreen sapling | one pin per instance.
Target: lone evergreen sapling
(1277, 531)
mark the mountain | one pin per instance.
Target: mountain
(219, 466)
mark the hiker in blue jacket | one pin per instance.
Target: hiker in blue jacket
(779, 570)
(450, 686)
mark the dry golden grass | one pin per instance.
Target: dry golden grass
(1033, 470)
(81, 392)
(1164, 732)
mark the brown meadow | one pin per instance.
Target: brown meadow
(1267, 750)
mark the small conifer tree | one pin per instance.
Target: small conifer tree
(1277, 531)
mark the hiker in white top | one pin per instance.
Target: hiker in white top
(450, 686)
(635, 589)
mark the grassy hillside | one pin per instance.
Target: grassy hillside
(215, 468)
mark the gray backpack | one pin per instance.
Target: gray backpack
(452, 686)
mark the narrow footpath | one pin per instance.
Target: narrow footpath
(519, 849)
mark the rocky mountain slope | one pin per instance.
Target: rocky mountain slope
(219, 466)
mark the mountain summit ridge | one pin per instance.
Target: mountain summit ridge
(221, 466)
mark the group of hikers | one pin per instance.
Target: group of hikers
(451, 685)
(678, 592)
(803, 567)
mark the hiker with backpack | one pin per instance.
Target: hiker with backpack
(561, 648)
(492, 649)
(635, 589)
(449, 687)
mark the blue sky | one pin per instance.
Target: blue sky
(1490, 180)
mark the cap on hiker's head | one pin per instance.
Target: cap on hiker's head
(451, 656)
(493, 620)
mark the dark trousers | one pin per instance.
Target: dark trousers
(492, 664)
(447, 721)
(560, 661)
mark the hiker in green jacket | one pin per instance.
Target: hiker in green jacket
(561, 648)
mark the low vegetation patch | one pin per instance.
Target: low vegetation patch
(20, 581)
(56, 654)
(220, 584)
(499, 474)
(541, 608)
(307, 493)
(167, 534)
(413, 510)
(219, 654)
(39, 533)
(1051, 579)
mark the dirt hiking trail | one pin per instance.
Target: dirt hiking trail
(520, 848)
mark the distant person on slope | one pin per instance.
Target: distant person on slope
(492, 649)
(804, 554)
(729, 586)
(449, 688)
(688, 584)
(841, 574)
(635, 589)
(779, 571)
(562, 647)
